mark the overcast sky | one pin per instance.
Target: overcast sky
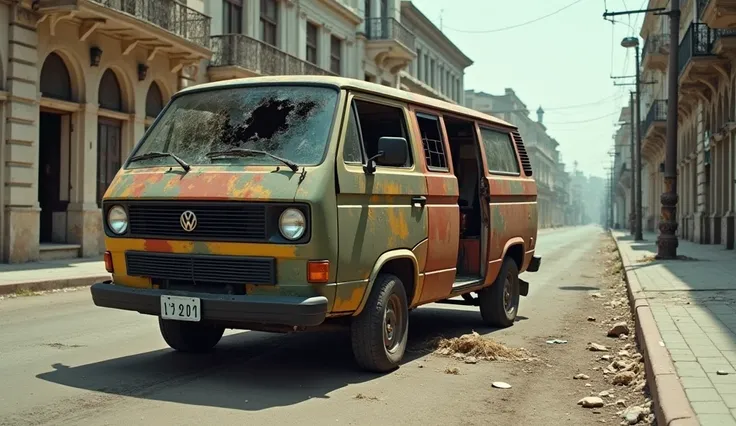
(562, 62)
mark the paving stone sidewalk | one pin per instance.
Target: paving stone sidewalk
(694, 305)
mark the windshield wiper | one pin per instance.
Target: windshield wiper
(244, 152)
(151, 155)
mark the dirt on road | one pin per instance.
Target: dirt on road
(558, 354)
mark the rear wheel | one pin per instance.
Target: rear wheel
(191, 337)
(499, 303)
(379, 333)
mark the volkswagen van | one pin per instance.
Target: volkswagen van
(297, 202)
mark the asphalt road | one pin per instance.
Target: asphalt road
(65, 361)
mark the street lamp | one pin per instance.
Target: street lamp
(628, 43)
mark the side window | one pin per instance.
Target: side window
(432, 141)
(500, 153)
(351, 152)
(377, 121)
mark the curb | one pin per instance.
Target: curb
(671, 406)
(51, 284)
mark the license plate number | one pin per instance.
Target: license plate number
(181, 308)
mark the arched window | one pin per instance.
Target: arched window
(109, 93)
(55, 80)
(154, 101)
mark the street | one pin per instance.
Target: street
(65, 361)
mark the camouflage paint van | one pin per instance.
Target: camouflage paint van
(294, 202)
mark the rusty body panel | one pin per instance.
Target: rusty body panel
(361, 223)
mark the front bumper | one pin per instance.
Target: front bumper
(271, 310)
(534, 264)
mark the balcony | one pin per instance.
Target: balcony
(655, 123)
(240, 56)
(699, 65)
(655, 52)
(160, 26)
(390, 44)
(718, 13)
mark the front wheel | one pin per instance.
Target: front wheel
(379, 333)
(499, 303)
(190, 337)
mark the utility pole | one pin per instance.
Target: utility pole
(632, 152)
(638, 231)
(667, 241)
(634, 42)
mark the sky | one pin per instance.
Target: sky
(562, 62)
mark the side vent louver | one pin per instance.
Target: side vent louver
(523, 156)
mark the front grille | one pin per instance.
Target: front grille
(202, 268)
(226, 222)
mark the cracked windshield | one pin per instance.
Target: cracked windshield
(368, 212)
(290, 122)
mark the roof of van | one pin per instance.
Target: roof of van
(360, 85)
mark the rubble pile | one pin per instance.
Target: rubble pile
(474, 347)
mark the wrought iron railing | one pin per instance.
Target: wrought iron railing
(655, 43)
(657, 112)
(170, 15)
(258, 56)
(389, 29)
(698, 41)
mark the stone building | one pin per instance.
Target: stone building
(705, 115)
(83, 79)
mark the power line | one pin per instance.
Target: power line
(586, 121)
(614, 97)
(517, 25)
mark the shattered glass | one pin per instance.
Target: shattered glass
(291, 122)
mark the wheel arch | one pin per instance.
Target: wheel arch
(394, 262)
(514, 249)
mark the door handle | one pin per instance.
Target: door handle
(419, 201)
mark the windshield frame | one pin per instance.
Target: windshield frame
(335, 116)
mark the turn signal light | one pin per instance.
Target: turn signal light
(318, 271)
(108, 262)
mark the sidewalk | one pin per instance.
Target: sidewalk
(50, 275)
(693, 304)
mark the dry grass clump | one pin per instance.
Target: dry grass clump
(476, 346)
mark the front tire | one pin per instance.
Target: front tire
(499, 303)
(190, 337)
(379, 333)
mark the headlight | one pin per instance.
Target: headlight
(292, 224)
(117, 220)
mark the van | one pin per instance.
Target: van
(292, 203)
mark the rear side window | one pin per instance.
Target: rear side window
(500, 153)
(432, 141)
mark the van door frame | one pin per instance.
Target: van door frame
(438, 281)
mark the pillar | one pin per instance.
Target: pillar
(85, 216)
(21, 209)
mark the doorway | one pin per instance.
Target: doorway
(108, 154)
(49, 173)
(469, 172)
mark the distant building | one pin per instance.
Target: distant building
(541, 147)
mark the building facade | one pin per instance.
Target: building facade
(83, 80)
(622, 188)
(706, 121)
(439, 67)
(541, 147)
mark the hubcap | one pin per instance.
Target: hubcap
(508, 297)
(393, 323)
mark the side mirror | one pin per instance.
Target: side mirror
(395, 151)
(392, 152)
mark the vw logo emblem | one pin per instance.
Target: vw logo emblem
(188, 221)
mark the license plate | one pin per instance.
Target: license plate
(181, 308)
